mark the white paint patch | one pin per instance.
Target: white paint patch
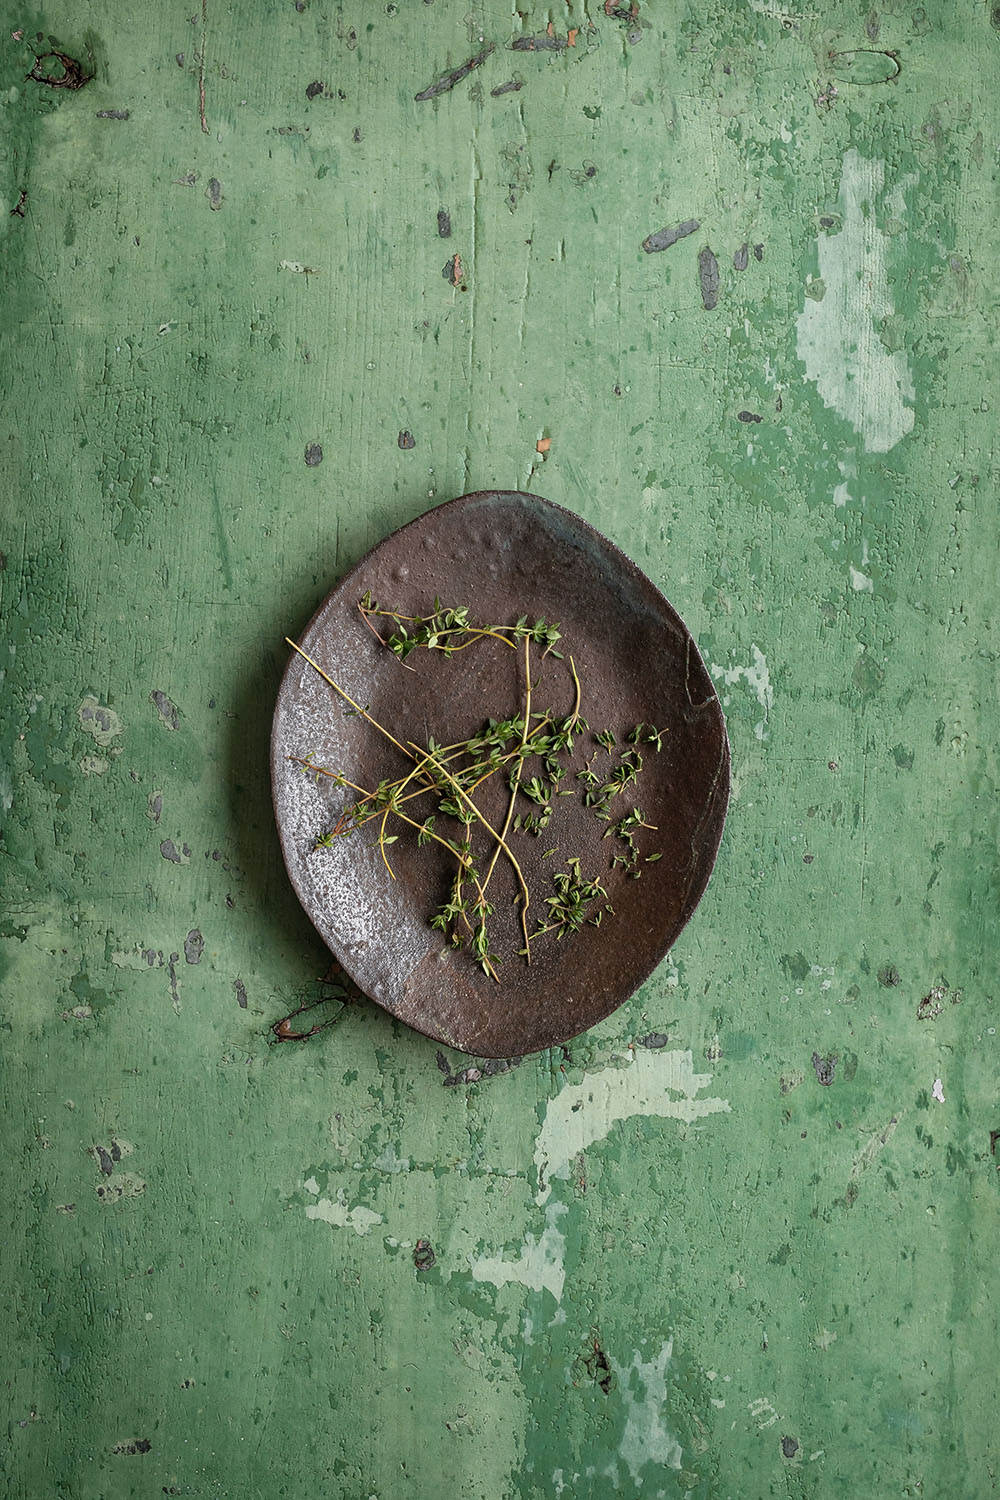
(655, 1083)
(540, 1264)
(860, 582)
(763, 1413)
(387, 1161)
(337, 1213)
(774, 12)
(643, 1387)
(838, 338)
(938, 1091)
(758, 677)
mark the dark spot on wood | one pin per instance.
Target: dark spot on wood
(748, 416)
(826, 222)
(931, 1006)
(807, 859)
(423, 1255)
(653, 1039)
(493, 1066)
(104, 1160)
(356, 137)
(443, 1063)
(169, 851)
(194, 946)
(994, 1137)
(888, 975)
(179, 59)
(995, 17)
(662, 239)
(314, 455)
(708, 275)
(599, 1368)
(449, 80)
(467, 1075)
(742, 257)
(139, 1445)
(112, 114)
(758, 252)
(825, 1067)
(444, 223)
(116, 1151)
(214, 193)
(510, 87)
(406, 440)
(543, 42)
(166, 709)
(789, 1446)
(239, 990)
(316, 87)
(71, 77)
(452, 270)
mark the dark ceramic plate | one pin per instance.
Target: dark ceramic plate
(504, 555)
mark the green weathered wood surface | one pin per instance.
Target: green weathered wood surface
(691, 1269)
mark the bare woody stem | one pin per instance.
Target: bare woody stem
(514, 785)
(431, 760)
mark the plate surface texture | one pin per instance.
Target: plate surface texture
(503, 554)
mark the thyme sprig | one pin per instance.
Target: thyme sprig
(451, 775)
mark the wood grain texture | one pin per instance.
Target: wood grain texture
(738, 1239)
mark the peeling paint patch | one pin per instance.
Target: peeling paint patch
(540, 1264)
(937, 1092)
(121, 1185)
(655, 1083)
(646, 1440)
(166, 708)
(758, 678)
(337, 1213)
(98, 720)
(838, 337)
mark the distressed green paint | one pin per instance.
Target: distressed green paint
(719, 1276)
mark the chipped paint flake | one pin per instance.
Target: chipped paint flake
(646, 1439)
(540, 1264)
(838, 338)
(757, 676)
(938, 1090)
(654, 1083)
(98, 720)
(336, 1212)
